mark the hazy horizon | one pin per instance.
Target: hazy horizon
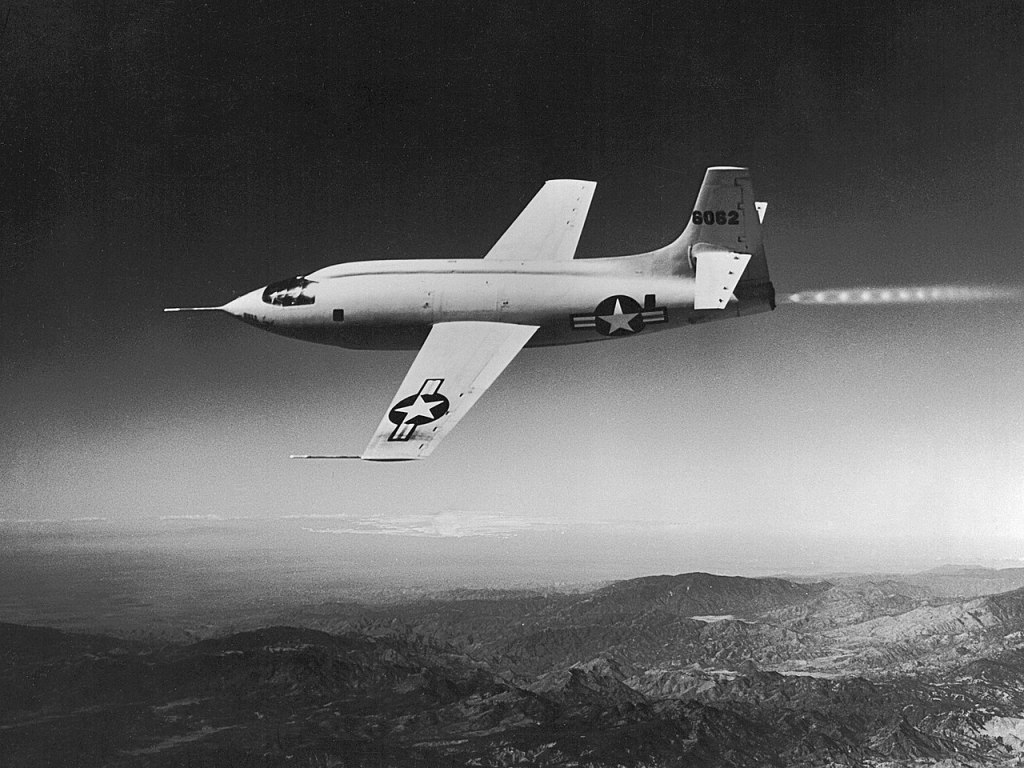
(466, 549)
(179, 575)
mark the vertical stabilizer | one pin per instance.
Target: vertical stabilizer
(725, 216)
(725, 220)
(724, 223)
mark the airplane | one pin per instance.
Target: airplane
(470, 317)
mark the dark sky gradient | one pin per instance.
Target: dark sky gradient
(175, 153)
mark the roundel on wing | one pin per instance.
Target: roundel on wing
(419, 409)
(618, 315)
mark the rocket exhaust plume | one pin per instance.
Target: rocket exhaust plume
(928, 294)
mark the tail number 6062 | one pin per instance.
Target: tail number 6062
(716, 217)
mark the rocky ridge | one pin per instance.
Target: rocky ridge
(681, 670)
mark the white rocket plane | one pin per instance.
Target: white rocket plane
(469, 317)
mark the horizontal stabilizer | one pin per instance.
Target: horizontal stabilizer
(718, 271)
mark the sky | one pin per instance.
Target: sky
(181, 154)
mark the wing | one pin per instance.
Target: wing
(456, 364)
(550, 225)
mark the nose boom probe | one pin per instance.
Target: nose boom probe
(194, 309)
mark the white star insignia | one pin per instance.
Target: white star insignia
(419, 407)
(619, 320)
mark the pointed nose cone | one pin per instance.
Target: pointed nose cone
(248, 304)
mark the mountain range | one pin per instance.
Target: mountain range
(687, 670)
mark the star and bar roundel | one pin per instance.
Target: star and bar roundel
(621, 315)
(413, 411)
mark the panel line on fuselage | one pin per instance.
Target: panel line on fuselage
(604, 265)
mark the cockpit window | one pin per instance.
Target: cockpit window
(289, 293)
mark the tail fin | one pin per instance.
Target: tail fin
(725, 215)
(725, 220)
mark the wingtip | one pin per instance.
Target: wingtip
(321, 456)
(584, 182)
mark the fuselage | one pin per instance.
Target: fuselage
(393, 304)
